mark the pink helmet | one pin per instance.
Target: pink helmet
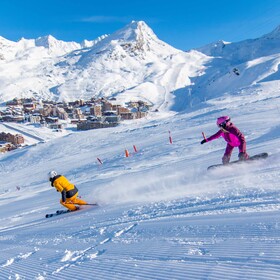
(221, 121)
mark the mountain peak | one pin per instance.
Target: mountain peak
(46, 41)
(89, 44)
(4, 41)
(136, 30)
(138, 38)
(135, 40)
(139, 25)
(275, 34)
(214, 49)
(56, 46)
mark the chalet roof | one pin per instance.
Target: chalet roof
(115, 103)
(109, 113)
(52, 118)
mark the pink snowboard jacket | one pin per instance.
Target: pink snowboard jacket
(232, 136)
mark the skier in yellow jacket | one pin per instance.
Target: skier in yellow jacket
(69, 192)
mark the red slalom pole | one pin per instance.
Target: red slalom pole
(170, 138)
(126, 153)
(134, 147)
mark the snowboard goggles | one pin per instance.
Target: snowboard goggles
(223, 124)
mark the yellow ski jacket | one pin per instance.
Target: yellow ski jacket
(62, 185)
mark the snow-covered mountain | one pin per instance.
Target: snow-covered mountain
(161, 214)
(131, 63)
(235, 66)
(56, 47)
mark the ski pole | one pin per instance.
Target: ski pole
(204, 136)
(94, 204)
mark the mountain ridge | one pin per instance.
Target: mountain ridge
(130, 64)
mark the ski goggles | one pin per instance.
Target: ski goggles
(223, 124)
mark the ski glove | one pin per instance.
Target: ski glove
(203, 141)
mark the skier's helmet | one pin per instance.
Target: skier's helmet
(222, 121)
(52, 174)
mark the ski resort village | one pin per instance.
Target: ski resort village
(84, 115)
(130, 159)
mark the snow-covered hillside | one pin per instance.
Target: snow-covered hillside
(239, 65)
(133, 64)
(161, 214)
(130, 64)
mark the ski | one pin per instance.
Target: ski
(252, 158)
(58, 212)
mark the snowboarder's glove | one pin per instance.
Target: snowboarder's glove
(242, 156)
(203, 141)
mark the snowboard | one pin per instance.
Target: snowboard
(252, 158)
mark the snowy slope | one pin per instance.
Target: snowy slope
(161, 215)
(239, 65)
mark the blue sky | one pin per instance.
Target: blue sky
(184, 24)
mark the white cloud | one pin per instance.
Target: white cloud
(103, 19)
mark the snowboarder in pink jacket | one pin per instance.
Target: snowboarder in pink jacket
(232, 136)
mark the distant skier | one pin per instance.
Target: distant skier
(69, 192)
(232, 136)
